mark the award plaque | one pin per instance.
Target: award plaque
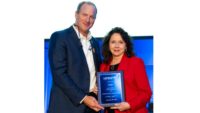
(110, 88)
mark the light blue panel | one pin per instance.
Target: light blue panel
(149, 70)
(144, 49)
(47, 77)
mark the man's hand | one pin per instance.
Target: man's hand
(92, 103)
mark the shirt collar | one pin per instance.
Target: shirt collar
(80, 36)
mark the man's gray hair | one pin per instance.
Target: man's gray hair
(85, 2)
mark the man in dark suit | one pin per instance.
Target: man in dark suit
(74, 58)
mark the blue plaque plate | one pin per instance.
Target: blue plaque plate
(110, 88)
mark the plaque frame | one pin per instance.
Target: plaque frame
(108, 99)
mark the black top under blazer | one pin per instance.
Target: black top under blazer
(70, 73)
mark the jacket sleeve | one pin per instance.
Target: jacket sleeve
(58, 63)
(143, 88)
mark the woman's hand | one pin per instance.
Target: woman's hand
(121, 106)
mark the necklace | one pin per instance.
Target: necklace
(114, 67)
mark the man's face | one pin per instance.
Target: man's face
(85, 18)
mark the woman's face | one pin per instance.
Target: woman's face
(117, 45)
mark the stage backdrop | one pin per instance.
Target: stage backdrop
(143, 47)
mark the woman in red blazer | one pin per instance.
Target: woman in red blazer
(118, 55)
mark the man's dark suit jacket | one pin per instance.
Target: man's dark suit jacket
(71, 77)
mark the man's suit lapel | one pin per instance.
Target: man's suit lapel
(95, 54)
(77, 41)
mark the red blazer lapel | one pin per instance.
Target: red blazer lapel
(123, 63)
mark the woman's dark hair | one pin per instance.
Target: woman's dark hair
(125, 37)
